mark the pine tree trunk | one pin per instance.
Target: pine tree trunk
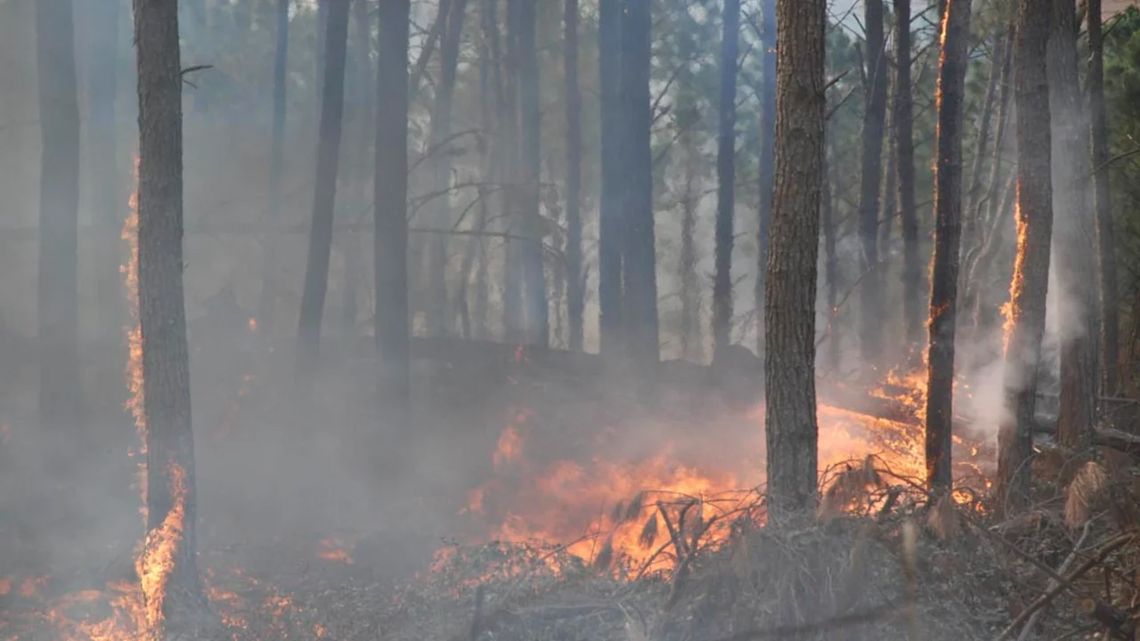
(530, 161)
(947, 234)
(324, 191)
(57, 304)
(440, 212)
(1026, 321)
(766, 161)
(575, 295)
(613, 132)
(267, 300)
(726, 177)
(170, 484)
(1075, 230)
(514, 313)
(1106, 246)
(789, 362)
(640, 254)
(690, 290)
(390, 197)
(874, 116)
(904, 148)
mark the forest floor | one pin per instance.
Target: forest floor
(540, 498)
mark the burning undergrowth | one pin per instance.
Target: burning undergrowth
(691, 471)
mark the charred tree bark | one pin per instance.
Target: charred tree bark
(612, 133)
(575, 290)
(170, 484)
(441, 117)
(726, 177)
(393, 333)
(789, 362)
(874, 116)
(267, 300)
(947, 233)
(904, 149)
(324, 191)
(1075, 225)
(1106, 246)
(766, 161)
(530, 162)
(1026, 321)
(640, 253)
(57, 301)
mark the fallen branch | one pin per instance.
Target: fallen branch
(1047, 598)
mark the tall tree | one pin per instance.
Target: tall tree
(1075, 228)
(947, 234)
(874, 116)
(530, 162)
(57, 304)
(575, 291)
(640, 259)
(1026, 316)
(170, 479)
(324, 191)
(267, 300)
(611, 147)
(391, 201)
(726, 176)
(1106, 247)
(441, 118)
(789, 362)
(768, 41)
(903, 118)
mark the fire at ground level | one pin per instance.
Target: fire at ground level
(571, 472)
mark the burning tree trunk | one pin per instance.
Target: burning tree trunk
(1076, 227)
(767, 147)
(530, 162)
(640, 253)
(57, 304)
(267, 300)
(611, 146)
(904, 149)
(440, 211)
(575, 295)
(167, 565)
(324, 191)
(874, 115)
(1106, 247)
(1026, 316)
(390, 199)
(789, 362)
(948, 229)
(726, 177)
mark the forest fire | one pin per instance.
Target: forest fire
(601, 508)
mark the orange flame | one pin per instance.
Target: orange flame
(133, 332)
(333, 549)
(155, 563)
